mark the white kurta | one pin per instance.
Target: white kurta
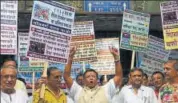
(145, 95)
(18, 97)
(103, 94)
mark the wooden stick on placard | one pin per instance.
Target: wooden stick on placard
(133, 60)
(44, 75)
(83, 65)
(105, 78)
(33, 81)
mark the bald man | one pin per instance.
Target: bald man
(8, 80)
(168, 93)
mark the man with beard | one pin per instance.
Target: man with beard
(168, 93)
(91, 92)
(8, 93)
(53, 93)
(136, 92)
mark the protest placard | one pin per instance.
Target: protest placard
(173, 54)
(76, 68)
(50, 31)
(83, 37)
(134, 33)
(9, 12)
(26, 63)
(156, 49)
(169, 15)
(28, 76)
(153, 59)
(105, 62)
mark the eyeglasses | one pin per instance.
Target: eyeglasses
(13, 77)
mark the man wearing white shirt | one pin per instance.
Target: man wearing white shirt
(91, 92)
(19, 84)
(8, 81)
(136, 92)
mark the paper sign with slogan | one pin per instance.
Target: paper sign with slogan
(9, 22)
(169, 15)
(83, 38)
(134, 33)
(105, 62)
(50, 31)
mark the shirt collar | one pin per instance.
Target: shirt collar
(60, 91)
(141, 87)
(92, 89)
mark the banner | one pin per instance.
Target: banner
(50, 31)
(154, 58)
(105, 63)
(134, 33)
(84, 39)
(9, 12)
(169, 15)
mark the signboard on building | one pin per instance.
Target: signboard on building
(106, 6)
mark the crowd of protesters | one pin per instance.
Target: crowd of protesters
(161, 87)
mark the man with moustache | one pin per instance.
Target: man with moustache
(19, 84)
(158, 81)
(145, 79)
(91, 92)
(53, 93)
(8, 80)
(168, 93)
(136, 92)
(79, 79)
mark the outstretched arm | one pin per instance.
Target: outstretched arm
(118, 68)
(68, 79)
